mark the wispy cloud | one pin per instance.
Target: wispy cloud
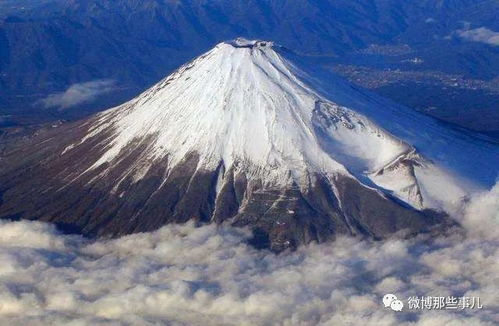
(181, 275)
(482, 34)
(77, 94)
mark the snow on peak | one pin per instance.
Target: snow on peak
(245, 104)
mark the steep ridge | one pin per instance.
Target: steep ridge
(246, 134)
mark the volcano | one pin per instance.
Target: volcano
(253, 135)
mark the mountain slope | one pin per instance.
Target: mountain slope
(250, 134)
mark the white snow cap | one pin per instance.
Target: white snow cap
(244, 103)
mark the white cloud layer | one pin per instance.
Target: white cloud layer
(77, 94)
(181, 275)
(482, 34)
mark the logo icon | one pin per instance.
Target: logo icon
(390, 300)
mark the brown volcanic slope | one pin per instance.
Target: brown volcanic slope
(143, 185)
(34, 185)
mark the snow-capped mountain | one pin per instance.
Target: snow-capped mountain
(250, 134)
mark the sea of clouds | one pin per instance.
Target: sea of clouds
(182, 275)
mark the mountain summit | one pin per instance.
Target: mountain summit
(248, 134)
